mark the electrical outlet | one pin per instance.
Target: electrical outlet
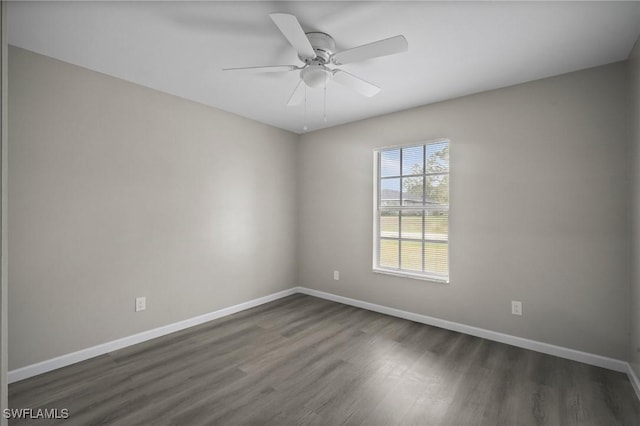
(516, 307)
(336, 275)
(141, 304)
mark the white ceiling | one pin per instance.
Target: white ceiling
(455, 48)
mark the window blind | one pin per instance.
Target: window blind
(412, 210)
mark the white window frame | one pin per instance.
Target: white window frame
(376, 216)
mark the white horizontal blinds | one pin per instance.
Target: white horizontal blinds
(413, 209)
(436, 238)
(389, 226)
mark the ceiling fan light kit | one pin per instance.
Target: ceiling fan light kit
(316, 75)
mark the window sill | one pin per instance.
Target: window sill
(431, 278)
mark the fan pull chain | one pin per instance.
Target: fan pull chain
(305, 128)
(325, 102)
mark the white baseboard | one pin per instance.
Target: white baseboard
(84, 354)
(559, 351)
(635, 381)
(546, 348)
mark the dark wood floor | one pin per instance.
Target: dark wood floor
(304, 360)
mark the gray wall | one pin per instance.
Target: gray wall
(539, 210)
(118, 191)
(634, 69)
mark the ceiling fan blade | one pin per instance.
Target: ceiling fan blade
(356, 83)
(291, 29)
(273, 68)
(389, 46)
(298, 94)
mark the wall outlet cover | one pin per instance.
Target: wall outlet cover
(516, 307)
(141, 304)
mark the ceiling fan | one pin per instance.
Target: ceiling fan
(317, 51)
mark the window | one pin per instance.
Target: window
(411, 225)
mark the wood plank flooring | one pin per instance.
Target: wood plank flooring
(309, 361)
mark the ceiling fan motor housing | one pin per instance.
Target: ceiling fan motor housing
(324, 46)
